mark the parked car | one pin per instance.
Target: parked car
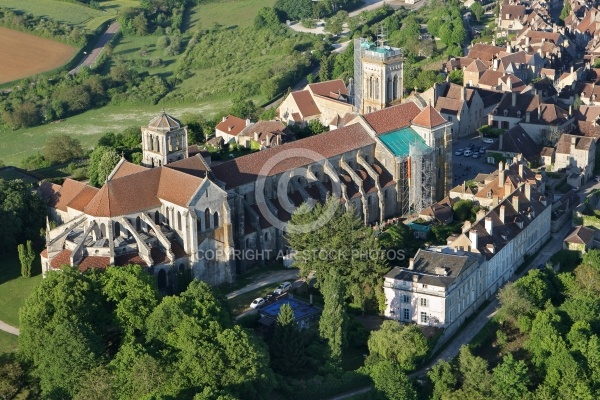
(284, 287)
(468, 153)
(482, 150)
(475, 155)
(488, 140)
(458, 152)
(257, 302)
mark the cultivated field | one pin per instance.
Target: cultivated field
(24, 55)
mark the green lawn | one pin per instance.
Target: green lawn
(8, 342)
(227, 13)
(62, 11)
(15, 289)
(89, 126)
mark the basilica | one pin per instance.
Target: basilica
(178, 212)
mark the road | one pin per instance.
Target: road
(91, 58)
(264, 280)
(9, 328)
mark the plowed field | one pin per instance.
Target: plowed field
(23, 55)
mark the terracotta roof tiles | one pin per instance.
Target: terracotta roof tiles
(429, 118)
(231, 125)
(305, 103)
(392, 118)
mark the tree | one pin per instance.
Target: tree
(404, 345)
(266, 18)
(566, 11)
(325, 69)
(163, 42)
(333, 320)
(456, 76)
(443, 379)
(474, 373)
(514, 302)
(102, 162)
(329, 239)
(510, 379)
(287, 345)
(391, 382)
(462, 209)
(477, 10)
(22, 213)
(26, 257)
(62, 148)
(12, 375)
(133, 293)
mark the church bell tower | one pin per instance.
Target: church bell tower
(164, 140)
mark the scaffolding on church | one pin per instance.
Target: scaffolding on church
(404, 185)
(422, 174)
(357, 82)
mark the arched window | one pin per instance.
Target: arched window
(138, 224)
(395, 86)
(178, 220)
(156, 217)
(216, 220)
(198, 226)
(117, 229)
(162, 279)
(103, 230)
(267, 236)
(376, 88)
(207, 219)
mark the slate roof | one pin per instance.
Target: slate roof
(516, 141)
(245, 169)
(428, 266)
(165, 122)
(580, 235)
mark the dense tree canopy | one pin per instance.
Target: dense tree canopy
(22, 213)
(106, 335)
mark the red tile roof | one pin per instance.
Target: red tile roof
(305, 103)
(125, 168)
(62, 258)
(429, 118)
(131, 258)
(70, 188)
(232, 125)
(392, 118)
(329, 88)
(477, 66)
(83, 198)
(245, 169)
(93, 262)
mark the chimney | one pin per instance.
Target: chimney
(527, 40)
(224, 119)
(248, 123)
(507, 189)
(496, 63)
(501, 176)
(570, 111)
(514, 96)
(527, 116)
(256, 136)
(528, 191)
(489, 225)
(466, 226)
(572, 69)
(411, 263)
(509, 83)
(573, 141)
(521, 170)
(473, 238)
(502, 213)
(515, 202)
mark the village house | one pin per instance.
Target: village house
(230, 127)
(511, 17)
(324, 101)
(580, 238)
(442, 286)
(577, 154)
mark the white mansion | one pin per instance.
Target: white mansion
(442, 286)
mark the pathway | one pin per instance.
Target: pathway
(9, 328)
(264, 280)
(91, 58)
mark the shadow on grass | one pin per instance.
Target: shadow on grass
(10, 267)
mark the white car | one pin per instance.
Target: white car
(488, 140)
(467, 153)
(284, 287)
(458, 152)
(257, 302)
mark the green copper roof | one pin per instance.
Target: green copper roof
(398, 142)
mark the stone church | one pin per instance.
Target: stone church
(178, 213)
